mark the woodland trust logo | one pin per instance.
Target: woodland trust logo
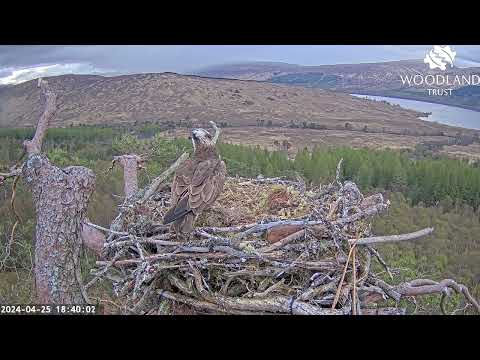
(439, 56)
(440, 84)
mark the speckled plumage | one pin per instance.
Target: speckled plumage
(196, 184)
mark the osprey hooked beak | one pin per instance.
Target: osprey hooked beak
(201, 137)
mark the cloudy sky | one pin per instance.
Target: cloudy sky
(26, 62)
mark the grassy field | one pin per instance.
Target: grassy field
(272, 139)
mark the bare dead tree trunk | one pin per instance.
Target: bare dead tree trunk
(130, 165)
(61, 198)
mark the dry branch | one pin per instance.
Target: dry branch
(34, 146)
(98, 227)
(393, 238)
(160, 179)
(380, 260)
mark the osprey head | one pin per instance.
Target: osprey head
(201, 138)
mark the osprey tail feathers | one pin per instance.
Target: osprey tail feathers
(180, 210)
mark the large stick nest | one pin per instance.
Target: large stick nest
(267, 246)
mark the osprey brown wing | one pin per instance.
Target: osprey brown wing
(207, 184)
(195, 188)
(182, 179)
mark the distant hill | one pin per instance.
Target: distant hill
(193, 101)
(367, 78)
(258, 70)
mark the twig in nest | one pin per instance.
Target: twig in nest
(339, 289)
(369, 212)
(217, 240)
(381, 261)
(98, 227)
(105, 269)
(261, 227)
(158, 240)
(238, 228)
(270, 289)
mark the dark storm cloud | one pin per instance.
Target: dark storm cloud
(132, 58)
(13, 55)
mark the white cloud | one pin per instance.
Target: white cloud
(19, 75)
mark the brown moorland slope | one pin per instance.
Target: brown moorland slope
(87, 99)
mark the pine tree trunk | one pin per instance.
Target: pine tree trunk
(61, 199)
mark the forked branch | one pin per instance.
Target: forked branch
(425, 286)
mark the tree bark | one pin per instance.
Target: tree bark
(61, 198)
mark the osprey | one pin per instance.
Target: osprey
(196, 184)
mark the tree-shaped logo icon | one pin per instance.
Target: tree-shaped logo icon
(439, 57)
